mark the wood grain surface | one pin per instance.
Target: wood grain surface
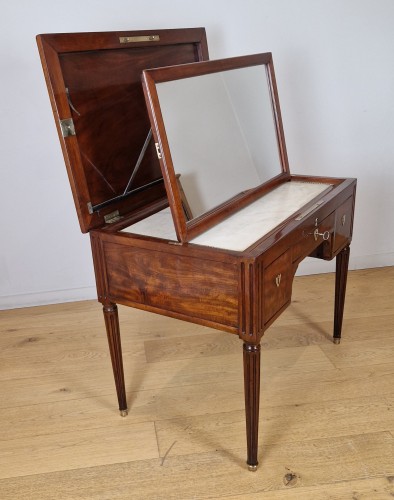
(326, 411)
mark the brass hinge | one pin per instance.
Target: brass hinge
(158, 150)
(67, 126)
(131, 39)
(112, 217)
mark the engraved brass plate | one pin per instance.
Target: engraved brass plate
(132, 39)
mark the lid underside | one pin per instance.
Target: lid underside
(95, 79)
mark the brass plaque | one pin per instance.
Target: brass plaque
(147, 38)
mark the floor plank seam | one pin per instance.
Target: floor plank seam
(157, 438)
(326, 413)
(64, 433)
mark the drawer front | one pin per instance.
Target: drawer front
(343, 224)
(311, 236)
(277, 283)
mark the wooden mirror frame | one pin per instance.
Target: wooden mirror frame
(186, 229)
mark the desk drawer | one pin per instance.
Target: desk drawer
(308, 241)
(277, 281)
(343, 224)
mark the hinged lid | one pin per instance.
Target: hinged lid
(94, 82)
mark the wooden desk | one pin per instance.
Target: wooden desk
(240, 292)
(238, 284)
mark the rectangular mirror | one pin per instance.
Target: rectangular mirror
(219, 137)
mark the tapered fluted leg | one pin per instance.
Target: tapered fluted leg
(113, 333)
(342, 264)
(252, 400)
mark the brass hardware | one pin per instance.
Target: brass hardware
(70, 103)
(112, 217)
(67, 126)
(131, 39)
(252, 468)
(324, 235)
(337, 340)
(158, 151)
(316, 221)
(90, 207)
(278, 279)
(343, 219)
(123, 413)
(309, 210)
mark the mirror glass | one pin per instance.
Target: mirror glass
(222, 134)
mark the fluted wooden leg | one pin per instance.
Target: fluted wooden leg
(113, 333)
(252, 400)
(342, 264)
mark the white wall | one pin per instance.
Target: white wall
(335, 71)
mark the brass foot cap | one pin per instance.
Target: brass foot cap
(336, 340)
(124, 413)
(252, 468)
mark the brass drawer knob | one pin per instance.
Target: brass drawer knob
(277, 279)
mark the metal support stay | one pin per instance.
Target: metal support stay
(139, 160)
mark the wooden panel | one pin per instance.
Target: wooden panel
(186, 285)
(343, 224)
(307, 242)
(112, 124)
(96, 80)
(277, 282)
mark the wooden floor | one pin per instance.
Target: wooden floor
(327, 415)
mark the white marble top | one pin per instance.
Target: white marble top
(242, 229)
(158, 225)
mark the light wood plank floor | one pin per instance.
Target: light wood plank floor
(327, 414)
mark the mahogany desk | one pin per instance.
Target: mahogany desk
(234, 275)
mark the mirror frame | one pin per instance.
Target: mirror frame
(186, 229)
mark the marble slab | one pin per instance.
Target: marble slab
(158, 225)
(242, 229)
